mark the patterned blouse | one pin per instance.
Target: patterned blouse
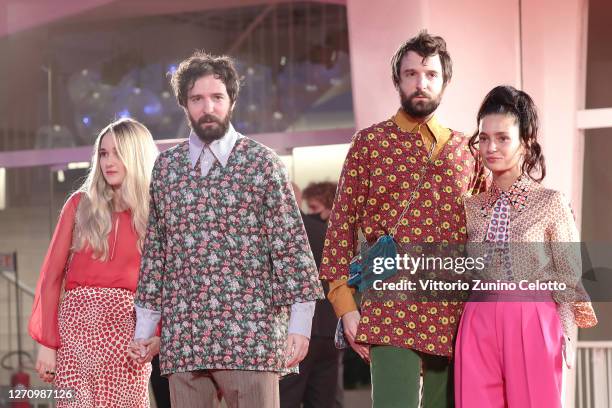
(225, 257)
(380, 172)
(537, 227)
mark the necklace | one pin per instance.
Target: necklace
(115, 239)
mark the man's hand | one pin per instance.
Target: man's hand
(297, 348)
(45, 363)
(142, 351)
(350, 321)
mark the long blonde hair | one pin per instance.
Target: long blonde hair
(137, 151)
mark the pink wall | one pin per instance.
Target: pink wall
(483, 39)
(374, 35)
(18, 15)
(554, 47)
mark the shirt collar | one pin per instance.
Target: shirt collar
(220, 148)
(408, 124)
(517, 194)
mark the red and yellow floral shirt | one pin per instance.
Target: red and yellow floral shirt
(380, 173)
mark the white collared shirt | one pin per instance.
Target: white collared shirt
(218, 150)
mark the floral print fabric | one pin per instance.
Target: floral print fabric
(225, 257)
(381, 170)
(535, 215)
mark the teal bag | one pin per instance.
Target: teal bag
(361, 268)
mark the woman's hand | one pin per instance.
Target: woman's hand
(45, 363)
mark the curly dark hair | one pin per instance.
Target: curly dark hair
(426, 46)
(200, 64)
(508, 100)
(324, 191)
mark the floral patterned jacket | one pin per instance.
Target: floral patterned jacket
(224, 258)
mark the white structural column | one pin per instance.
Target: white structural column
(554, 66)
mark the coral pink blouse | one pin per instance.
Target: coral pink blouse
(79, 268)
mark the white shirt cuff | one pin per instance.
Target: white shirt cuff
(301, 318)
(146, 322)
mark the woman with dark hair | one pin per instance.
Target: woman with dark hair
(511, 341)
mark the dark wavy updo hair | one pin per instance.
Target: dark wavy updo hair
(508, 100)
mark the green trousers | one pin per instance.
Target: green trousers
(396, 376)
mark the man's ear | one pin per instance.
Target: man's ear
(445, 85)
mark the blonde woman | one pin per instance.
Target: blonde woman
(95, 254)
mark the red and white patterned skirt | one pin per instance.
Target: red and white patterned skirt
(96, 325)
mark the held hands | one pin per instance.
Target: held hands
(296, 350)
(142, 351)
(350, 321)
(45, 364)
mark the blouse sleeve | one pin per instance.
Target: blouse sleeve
(43, 326)
(574, 304)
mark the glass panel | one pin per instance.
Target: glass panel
(34, 197)
(599, 55)
(64, 81)
(597, 184)
(597, 219)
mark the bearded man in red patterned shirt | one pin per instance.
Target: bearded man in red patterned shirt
(410, 153)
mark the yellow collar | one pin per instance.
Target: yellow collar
(408, 124)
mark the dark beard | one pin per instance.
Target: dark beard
(420, 109)
(210, 134)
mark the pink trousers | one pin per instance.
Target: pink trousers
(508, 353)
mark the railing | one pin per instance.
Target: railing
(593, 367)
(18, 297)
(15, 303)
(593, 374)
(25, 289)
